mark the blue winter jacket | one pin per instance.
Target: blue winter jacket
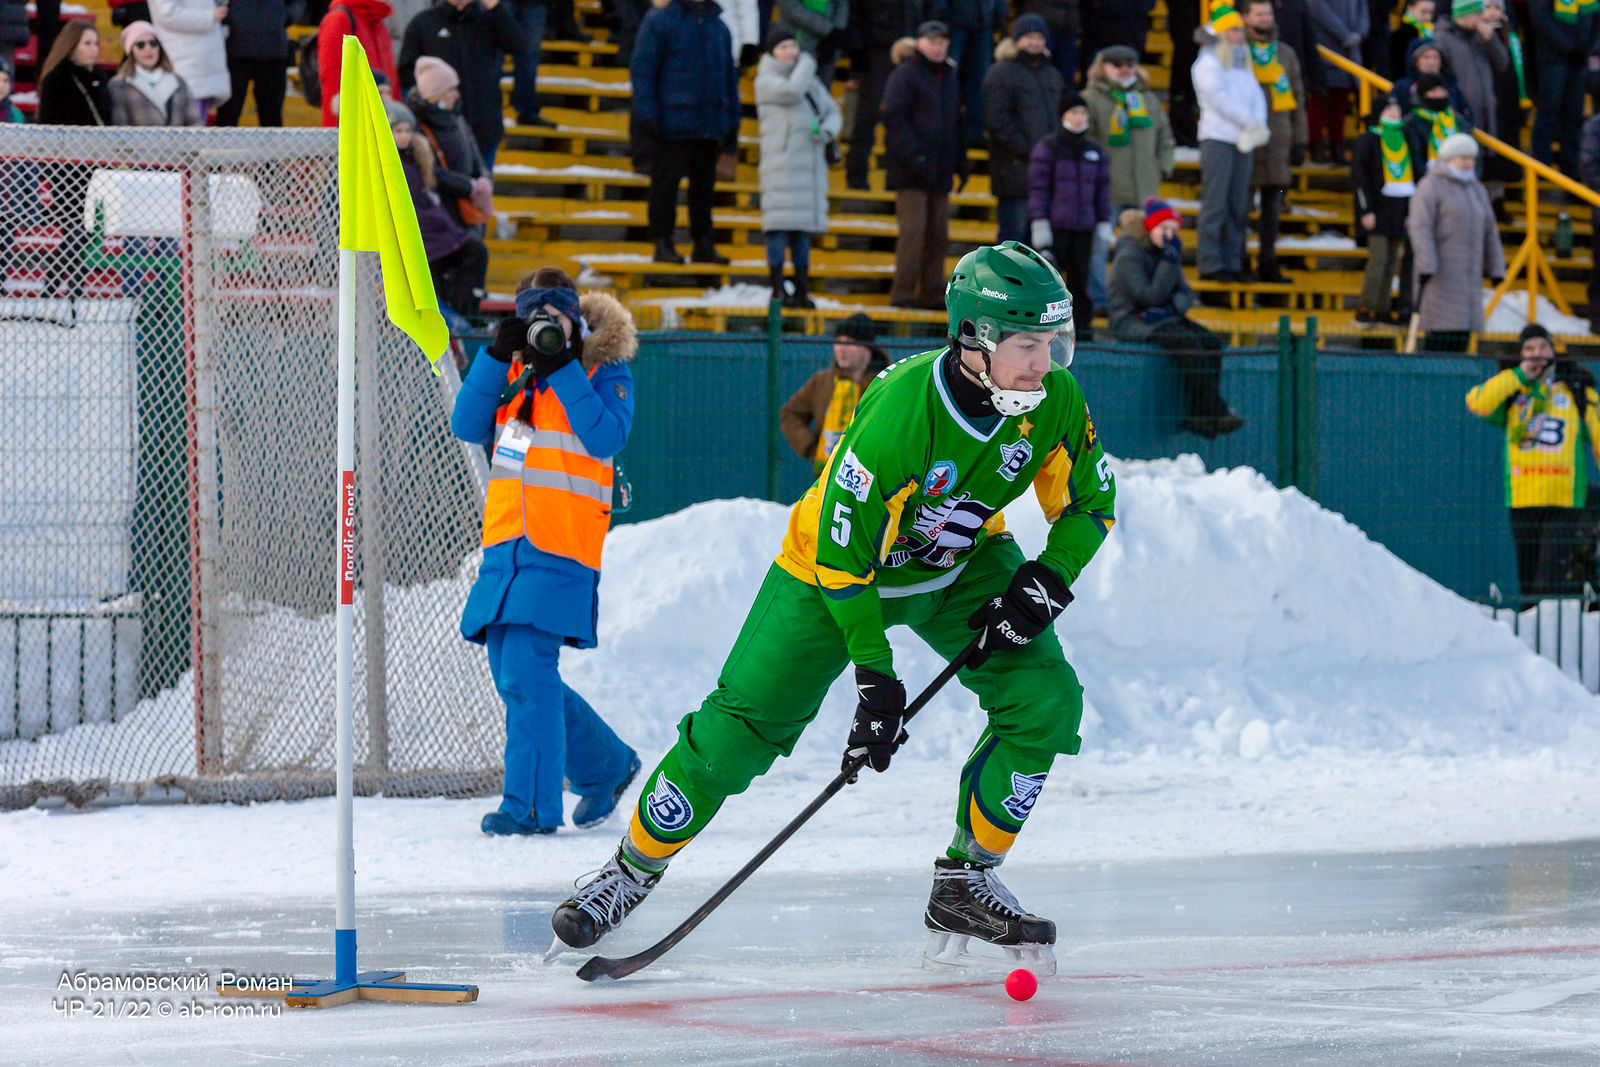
(519, 584)
(683, 73)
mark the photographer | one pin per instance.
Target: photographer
(1547, 410)
(554, 398)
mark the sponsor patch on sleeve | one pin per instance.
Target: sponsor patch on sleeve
(853, 477)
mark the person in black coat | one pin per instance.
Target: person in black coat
(686, 102)
(1018, 95)
(1416, 23)
(1109, 22)
(13, 25)
(926, 149)
(1560, 49)
(1295, 30)
(458, 165)
(871, 33)
(72, 92)
(258, 52)
(471, 36)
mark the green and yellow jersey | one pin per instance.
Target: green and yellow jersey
(916, 485)
(1545, 426)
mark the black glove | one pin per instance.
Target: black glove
(509, 339)
(1297, 155)
(1173, 249)
(1029, 605)
(877, 729)
(749, 55)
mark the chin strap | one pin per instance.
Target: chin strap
(1007, 402)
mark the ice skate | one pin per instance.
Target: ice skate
(599, 906)
(969, 901)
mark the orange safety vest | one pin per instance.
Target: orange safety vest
(559, 496)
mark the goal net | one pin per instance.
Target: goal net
(167, 504)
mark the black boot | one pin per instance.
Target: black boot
(1267, 270)
(706, 252)
(802, 294)
(600, 904)
(665, 253)
(775, 280)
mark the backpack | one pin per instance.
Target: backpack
(307, 63)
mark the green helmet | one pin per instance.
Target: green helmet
(1004, 289)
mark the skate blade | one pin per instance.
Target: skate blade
(950, 951)
(558, 948)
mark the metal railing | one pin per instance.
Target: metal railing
(1563, 629)
(1530, 260)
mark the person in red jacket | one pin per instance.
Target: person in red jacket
(364, 18)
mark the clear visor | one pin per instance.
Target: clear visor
(1037, 351)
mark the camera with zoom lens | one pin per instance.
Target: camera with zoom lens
(546, 335)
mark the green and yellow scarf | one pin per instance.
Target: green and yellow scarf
(1270, 72)
(1569, 11)
(1441, 124)
(1130, 114)
(1398, 177)
(1424, 29)
(1514, 45)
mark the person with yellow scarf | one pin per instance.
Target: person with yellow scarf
(1277, 69)
(1384, 176)
(1416, 23)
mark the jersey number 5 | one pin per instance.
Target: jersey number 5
(841, 525)
(1103, 469)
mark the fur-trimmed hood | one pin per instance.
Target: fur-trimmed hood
(1007, 49)
(906, 47)
(612, 336)
(1131, 224)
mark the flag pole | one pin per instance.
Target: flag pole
(375, 215)
(344, 927)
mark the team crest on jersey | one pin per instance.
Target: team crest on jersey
(852, 476)
(1024, 791)
(1014, 458)
(941, 476)
(940, 531)
(669, 809)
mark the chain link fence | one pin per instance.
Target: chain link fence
(167, 511)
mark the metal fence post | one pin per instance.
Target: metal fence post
(774, 336)
(1287, 358)
(206, 528)
(1305, 411)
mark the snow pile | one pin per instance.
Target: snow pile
(1511, 315)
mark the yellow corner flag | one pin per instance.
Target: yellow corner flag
(375, 209)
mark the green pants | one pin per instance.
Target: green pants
(790, 652)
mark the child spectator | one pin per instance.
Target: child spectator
(1432, 119)
(798, 120)
(1069, 196)
(191, 36)
(1385, 177)
(145, 91)
(1416, 23)
(456, 258)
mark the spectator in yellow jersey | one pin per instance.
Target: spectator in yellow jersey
(1548, 411)
(820, 411)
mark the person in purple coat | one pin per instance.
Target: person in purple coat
(457, 259)
(1069, 196)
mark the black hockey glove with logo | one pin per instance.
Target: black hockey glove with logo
(876, 731)
(1029, 605)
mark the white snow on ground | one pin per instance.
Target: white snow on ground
(1511, 315)
(1260, 678)
(739, 294)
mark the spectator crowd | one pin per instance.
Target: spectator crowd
(1078, 139)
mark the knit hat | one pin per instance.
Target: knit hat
(777, 35)
(1466, 7)
(1427, 83)
(859, 328)
(1118, 53)
(1532, 330)
(1069, 99)
(435, 77)
(1029, 23)
(134, 31)
(1458, 144)
(1223, 19)
(1157, 211)
(398, 113)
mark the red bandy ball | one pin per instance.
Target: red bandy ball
(1021, 984)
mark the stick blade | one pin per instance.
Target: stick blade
(597, 967)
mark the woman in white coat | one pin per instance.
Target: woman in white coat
(191, 35)
(798, 120)
(1233, 124)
